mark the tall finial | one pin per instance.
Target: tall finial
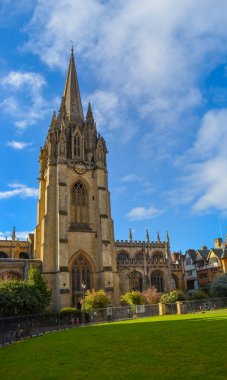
(167, 236)
(89, 116)
(130, 235)
(158, 237)
(147, 236)
(14, 233)
(72, 49)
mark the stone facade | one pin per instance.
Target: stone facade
(74, 236)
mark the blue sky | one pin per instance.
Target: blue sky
(156, 76)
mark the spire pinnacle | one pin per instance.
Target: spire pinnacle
(89, 116)
(72, 100)
(158, 237)
(130, 235)
(167, 236)
(147, 236)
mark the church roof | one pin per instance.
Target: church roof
(72, 100)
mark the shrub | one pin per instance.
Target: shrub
(151, 296)
(95, 299)
(24, 297)
(68, 311)
(218, 287)
(198, 295)
(133, 298)
(173, 296)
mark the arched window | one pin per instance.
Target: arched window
(157, 280)
(158, 258)
(3, 255)
(135, 281)
(23, 255)
(139, 256)
(77, 146)
(81, 274)
(122, 256)
(79, 204)
(176, 280)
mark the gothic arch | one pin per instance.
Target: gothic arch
(176, 281)
(81, 270)
(157, 280)
(77, 145)
(158, 257)
(139, 256)
(79, 203)
(135, 280)
(123, 256)
(3, 255)
(23, 255)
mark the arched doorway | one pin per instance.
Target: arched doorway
(135, 281)
(81, 275)
(176, 280)
(157, 280)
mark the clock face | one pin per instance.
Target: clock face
(80, 168)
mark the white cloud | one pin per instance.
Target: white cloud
(131, 178)
(22, 235)
(152, 53)
(26, 110)
(19, 190)
(142, 213)
(204, 182)
(18, 145)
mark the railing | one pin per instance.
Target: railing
(21, 327)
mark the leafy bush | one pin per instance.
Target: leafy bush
(95, 299)
(24, 297)
(151, 296)
(218, 287)
(198, 295)
(173, 296)
(68, 311)
(133, 298)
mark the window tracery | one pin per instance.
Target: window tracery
(79, 204)
(135, 281)
(81, 274)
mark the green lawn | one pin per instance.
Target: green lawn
(169, 347)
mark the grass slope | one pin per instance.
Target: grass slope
(170, 347)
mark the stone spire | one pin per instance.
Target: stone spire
(167, 236)
(71, 94)
(130, 235)
(14, 234)
(147, 236)
(158, 237)
(89, 116)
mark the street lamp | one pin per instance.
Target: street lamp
(83, 286)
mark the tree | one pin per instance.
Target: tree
(36, 279)
(24, 297)
(198, 295)
(173, 296)
(133, 298)
(218, 287)
(151, 296)
(95, 299)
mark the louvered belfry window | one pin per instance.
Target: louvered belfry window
(79, 204)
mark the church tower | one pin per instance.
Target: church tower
(74, 236)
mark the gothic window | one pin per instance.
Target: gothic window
(79, 204)
(176, 280)
(139, 256)
(157, 280)
(135, 281)
(81, 274)
(122, 256)
(23, 255)
(158, 257)
(77, 146)
(3, 255)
